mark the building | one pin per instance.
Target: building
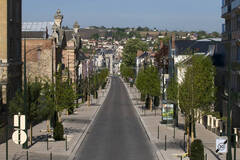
(216, 50)
(231, 40)
(10, 52)
(39, 49)
(50, 48)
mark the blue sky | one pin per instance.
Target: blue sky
(184, 15)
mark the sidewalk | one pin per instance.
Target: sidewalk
(175, 146)
(75, 128)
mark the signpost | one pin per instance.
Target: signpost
(221, 145)
(167, 112)
(19, 136)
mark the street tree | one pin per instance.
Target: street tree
(172, 89)
(197, 92)
(148, 83)
(130, 51)
(33, 100)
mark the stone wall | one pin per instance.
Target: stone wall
(38, 58)
(68, 59)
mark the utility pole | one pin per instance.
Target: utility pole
(25, 145)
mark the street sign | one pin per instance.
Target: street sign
(221, 145)
(19, 121)
(19, 137)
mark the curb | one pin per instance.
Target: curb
(83, 136)
(144, 126)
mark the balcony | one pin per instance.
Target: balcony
(235, 4)
(226, 10)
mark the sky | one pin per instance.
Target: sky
(186, 15)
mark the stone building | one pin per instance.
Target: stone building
(10, 52)
(49, 51)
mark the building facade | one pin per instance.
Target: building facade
(231, 40)
(10, 52)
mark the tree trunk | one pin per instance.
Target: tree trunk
(88, 99)
(151, 108)
(192, 130)
(188, 140)
(192, 126)
(59, 117)
(48, 126)
(31, 133)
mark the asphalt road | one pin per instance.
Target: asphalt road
(117, 133)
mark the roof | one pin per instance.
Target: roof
(81, 56)
(69, 34)
(34, 34)
(87, 33)
(145, 54)
(38, 26)
(139, 53)
(210, 39)
(197, 46)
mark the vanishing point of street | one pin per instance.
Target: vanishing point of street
(117, 132)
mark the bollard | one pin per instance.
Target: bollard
(205, 156)
(180, 157)
(66, 143)
(155, 111)
(27, 155)
(165, 142)
(158, 132)
(47, 142)
(50, 155)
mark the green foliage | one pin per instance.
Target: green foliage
(198, 90)
(64, 95)
(58, 132)
(130, 51)
(143, 97)
(95, 36)
(197, 150)
(127, 72)
(33, 100)
(148, 81)
(172, 89)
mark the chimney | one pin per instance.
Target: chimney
(58, 18)
(173, 41)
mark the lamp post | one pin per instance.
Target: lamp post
(25, 145)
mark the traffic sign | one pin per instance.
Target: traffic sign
(221, 145)
(19, 137)
(19, 121)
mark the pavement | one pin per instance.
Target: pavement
(75, 128)
(151, 120)
(116, 133)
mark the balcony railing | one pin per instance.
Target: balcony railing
(235, 4)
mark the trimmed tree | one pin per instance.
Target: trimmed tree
(148, 83)
(197, 92)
